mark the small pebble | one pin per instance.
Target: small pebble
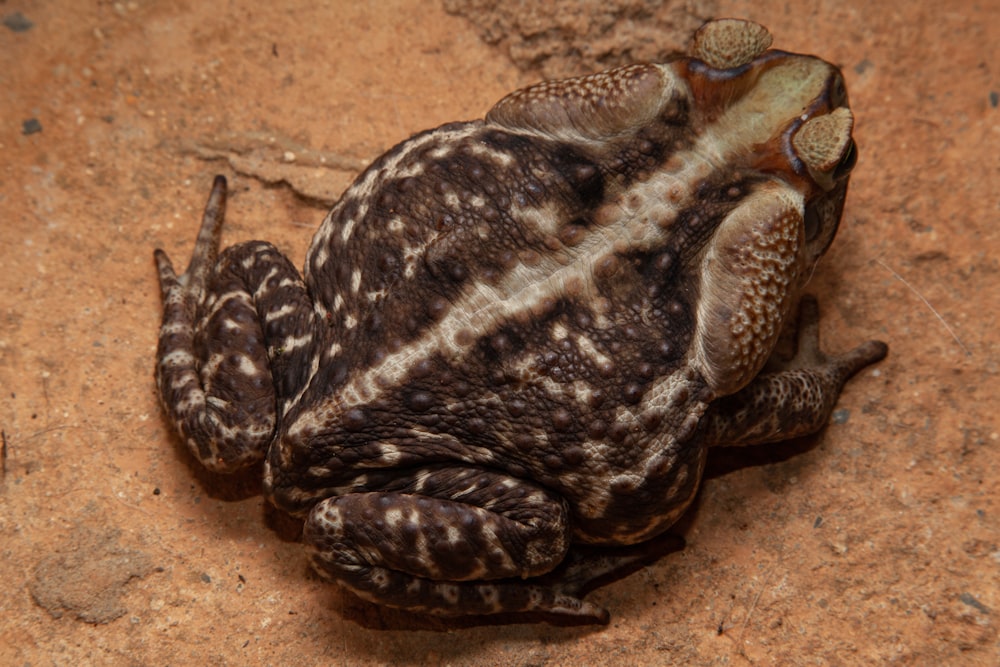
(17, 22)
(31, 126)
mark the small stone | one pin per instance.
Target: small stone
(17, 22)
(31, 126)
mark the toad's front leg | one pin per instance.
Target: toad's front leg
(224, 320)
(794, 401)
(449, 541)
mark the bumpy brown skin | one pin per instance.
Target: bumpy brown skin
(518, 337)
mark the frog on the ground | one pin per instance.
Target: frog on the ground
(515, 339)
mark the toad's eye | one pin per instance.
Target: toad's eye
(847, 162)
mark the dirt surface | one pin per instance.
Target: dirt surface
(875, 542)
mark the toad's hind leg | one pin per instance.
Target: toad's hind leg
(222, 320)
(451, 541)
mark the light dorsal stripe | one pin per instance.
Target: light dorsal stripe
(641, 218)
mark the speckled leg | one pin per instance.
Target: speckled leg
(221, 318)
(456, 542)
(793, 402)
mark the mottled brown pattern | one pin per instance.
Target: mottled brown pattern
(518, 336)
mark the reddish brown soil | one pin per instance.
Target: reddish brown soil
(876, 543)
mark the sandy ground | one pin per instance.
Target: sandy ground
(875, 542)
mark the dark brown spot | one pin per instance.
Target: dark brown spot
(661, 466)
(544, 306)
(606, 267)
(571, 234)
(421, 369)
(355, 420)
(596, 398)
(562, 420)
(623, 486)
(531, 257)
(618, 432)
(651, 420)
(501, 344)
(524, 441)
(633, 393)
(575, 455)
(437, 307)
(597, 429)
(458, 272)
(421, 401)
(387, 262)
(517, 407)
(552, 461)
(687, 429)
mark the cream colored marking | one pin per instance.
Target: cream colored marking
(395, 225)
(175, 328)
(393, 517)
(273, 315)
(414, 255)
(544, 220)
(211, 367)
(350, 321)
(373, 178)
(355, 281)
(590, 350)
(217, 402)
(449, 592)
(263, 288)
(582, 391)
(224, 299)
(440, 152)
(346, 229)
(389, 454)
(321, 256)
(290, 343)
(415, 168)
(501, 158)
(313, 368)
(247, 366)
